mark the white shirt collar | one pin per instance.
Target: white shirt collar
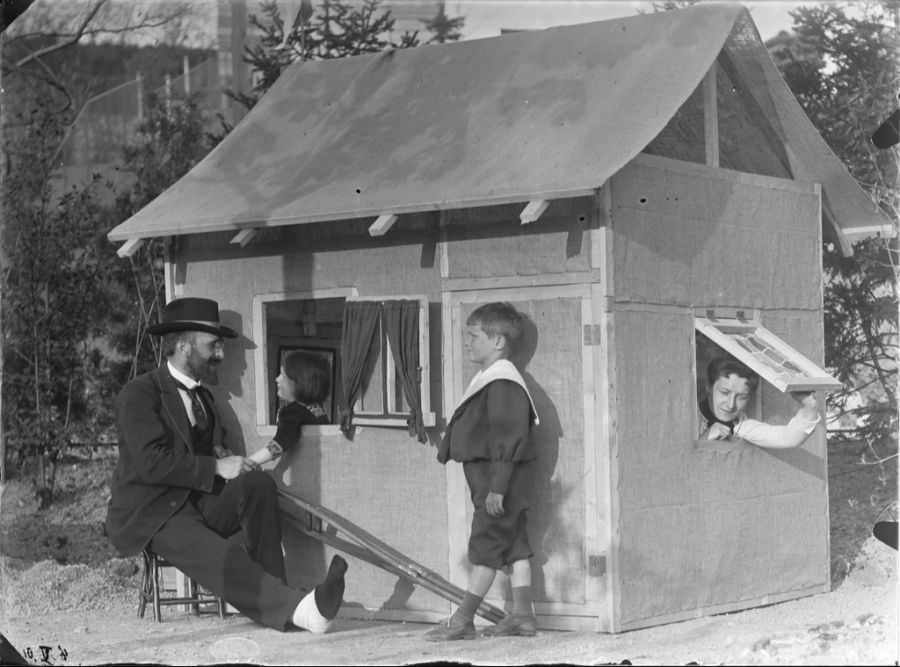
(188, 382)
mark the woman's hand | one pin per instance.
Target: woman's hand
(809, 408)
(718, 432)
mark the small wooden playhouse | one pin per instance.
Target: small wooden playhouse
(626, 184)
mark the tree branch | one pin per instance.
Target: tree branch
(73, 39)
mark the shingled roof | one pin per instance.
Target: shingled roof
(532, 115)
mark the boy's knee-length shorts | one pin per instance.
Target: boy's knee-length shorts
(498, 541)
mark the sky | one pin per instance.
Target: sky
(485, 18)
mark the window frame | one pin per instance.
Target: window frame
(261, 360)
(718, 330)
(735, 322)
(389, 370)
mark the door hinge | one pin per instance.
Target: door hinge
(592, 334)
(597, 565)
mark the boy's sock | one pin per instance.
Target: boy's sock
(330, 593)
(469, 606)
(522, 600)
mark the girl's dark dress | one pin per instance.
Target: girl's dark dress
(291, 418)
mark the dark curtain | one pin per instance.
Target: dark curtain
(360, 323)
(401, 322)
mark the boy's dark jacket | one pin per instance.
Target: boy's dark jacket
(492, 425)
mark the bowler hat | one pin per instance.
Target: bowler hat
(192, 314)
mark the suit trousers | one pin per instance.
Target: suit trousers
(230, 543)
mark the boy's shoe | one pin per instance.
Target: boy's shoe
(515, 624)
(453, 628)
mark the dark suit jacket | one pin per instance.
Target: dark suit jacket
(157, 468)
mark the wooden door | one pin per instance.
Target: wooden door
(557, 362)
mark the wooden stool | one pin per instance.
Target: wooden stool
(150, 590)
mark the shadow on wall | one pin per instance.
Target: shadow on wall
(299, 471)
(230, 379)
(546, 436)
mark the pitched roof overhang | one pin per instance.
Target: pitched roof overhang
(523, 117)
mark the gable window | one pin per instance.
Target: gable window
(375, 347)
(782, 368)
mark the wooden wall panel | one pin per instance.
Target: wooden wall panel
(704, 525)
(383, 480)
(492, 242)
(690, 235)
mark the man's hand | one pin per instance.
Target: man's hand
(221, 452)
(494, 504)
(232, 466)
(718, 432)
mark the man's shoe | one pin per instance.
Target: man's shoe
(515, 624)
(451, 629)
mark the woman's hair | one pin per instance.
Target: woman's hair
(499, 319)
(310, 373)
(722, 367)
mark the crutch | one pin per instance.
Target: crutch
(324, 525)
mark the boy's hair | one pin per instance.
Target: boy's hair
(310, 373)
(722, 367)
(499, 319)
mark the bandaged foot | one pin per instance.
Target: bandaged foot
(307, 615)
(317, 609)
(330, 593)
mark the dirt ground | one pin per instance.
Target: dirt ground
(67, 599)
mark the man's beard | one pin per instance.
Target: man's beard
(205, 370)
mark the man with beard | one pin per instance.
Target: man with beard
(178, 491)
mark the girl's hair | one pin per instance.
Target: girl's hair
(499, 319)
(722, 367)
(310, 373)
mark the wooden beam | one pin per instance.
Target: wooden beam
(711, 117)
(244, 236)
(130, 247)
(533, 210)
(382, 224)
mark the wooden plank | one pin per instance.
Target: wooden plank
(533, 210)
(170, 277)
(711, 118)
(592, 540)
(130, 247)
(243, 237)
(604, 394)
(725, 608)
(857, 233)
(457, 491)
(728, 175)
(382, 224)
(174, 228)
(507, 282)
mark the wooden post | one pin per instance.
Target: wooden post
(168, 94)
(711, 117)
(139, 85)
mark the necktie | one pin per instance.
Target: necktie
(201, 422)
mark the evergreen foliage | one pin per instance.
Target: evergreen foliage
(54, 281)
(334, 29)
(840, 63)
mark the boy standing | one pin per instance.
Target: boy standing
(489, 433)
